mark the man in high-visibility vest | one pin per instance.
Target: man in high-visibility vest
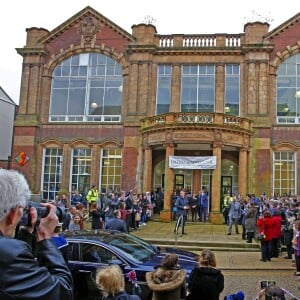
(225, 208)
(92, 195)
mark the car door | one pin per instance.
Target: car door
(84, 261)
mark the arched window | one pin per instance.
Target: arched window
(288, 91)
(87, 87)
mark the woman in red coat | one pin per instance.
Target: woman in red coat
(276, 233)
(265, 224)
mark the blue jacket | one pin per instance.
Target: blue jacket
(180, 204)
(203, 201)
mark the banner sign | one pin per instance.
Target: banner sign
(192, 162)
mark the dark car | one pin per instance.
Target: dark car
(90, 251)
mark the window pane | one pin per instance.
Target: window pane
(287, 86)
(82, 74)
(51, 173)
(284, 173)
(77, 101)
(59, 102)
(163, 95)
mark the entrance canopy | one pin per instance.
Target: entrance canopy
(192, 162)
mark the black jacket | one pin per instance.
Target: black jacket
(24, 277)
(205, 283)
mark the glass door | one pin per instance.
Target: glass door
(179, 182)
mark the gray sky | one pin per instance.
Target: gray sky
(170, 17)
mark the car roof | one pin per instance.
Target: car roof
(104, 235)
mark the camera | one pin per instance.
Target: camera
(265, 283)
(42, 212)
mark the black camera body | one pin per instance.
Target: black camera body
(42, 212)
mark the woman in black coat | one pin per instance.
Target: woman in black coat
(205, 282)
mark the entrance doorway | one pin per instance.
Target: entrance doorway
(226, 187)
(179, 182)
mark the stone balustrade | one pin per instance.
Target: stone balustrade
(196, 119)
(201, 41)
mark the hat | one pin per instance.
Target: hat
(238, 296)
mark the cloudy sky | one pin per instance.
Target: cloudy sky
(169, 17)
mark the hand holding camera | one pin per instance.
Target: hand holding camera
(43, 217)
(47, 223)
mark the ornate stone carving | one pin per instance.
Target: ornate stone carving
(88, 29)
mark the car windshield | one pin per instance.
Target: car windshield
(134, 248)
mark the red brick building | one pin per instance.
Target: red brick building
(145, 111)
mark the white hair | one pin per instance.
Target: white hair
(14, 190)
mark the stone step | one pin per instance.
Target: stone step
(196, 246)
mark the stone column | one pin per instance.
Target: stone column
(196, 181)
(147, 180)
(243, 170)
(215, 215)
(94, 179)
(165, 215)
(220, 88)
(175, 88)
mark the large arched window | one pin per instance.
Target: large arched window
(288, 91)
(87, 87)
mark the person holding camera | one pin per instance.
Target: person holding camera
(23, 276)
(271, 292)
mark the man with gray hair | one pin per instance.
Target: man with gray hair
(21, 275)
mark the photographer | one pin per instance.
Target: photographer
(22, 276)
(271, 292)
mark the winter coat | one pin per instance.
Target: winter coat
(205, 283)
(25, 277)
(167, 283)
(95, 215)
(116, 224)
(180, 204)
(234, 210)
(265, 225)
(250, 219)
(276, 228)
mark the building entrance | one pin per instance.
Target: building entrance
(226, 187)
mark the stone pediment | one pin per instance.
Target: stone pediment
(88, 22)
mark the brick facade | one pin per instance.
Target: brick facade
(251, 137)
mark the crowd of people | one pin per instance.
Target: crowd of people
(273, 222)
(36, 254)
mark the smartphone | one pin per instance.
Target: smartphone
(266, 283)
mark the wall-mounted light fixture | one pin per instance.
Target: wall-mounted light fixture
(227, 109)
(94, 105)
(285, 109)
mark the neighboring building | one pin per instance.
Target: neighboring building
(7, 116)
(102, 106)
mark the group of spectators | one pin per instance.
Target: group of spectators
(124, 211)
(273, 222)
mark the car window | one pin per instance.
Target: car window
(73, 251)
(133, 248)
(94, 253)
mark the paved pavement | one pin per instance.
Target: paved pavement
(207, 233)
(242, 269)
